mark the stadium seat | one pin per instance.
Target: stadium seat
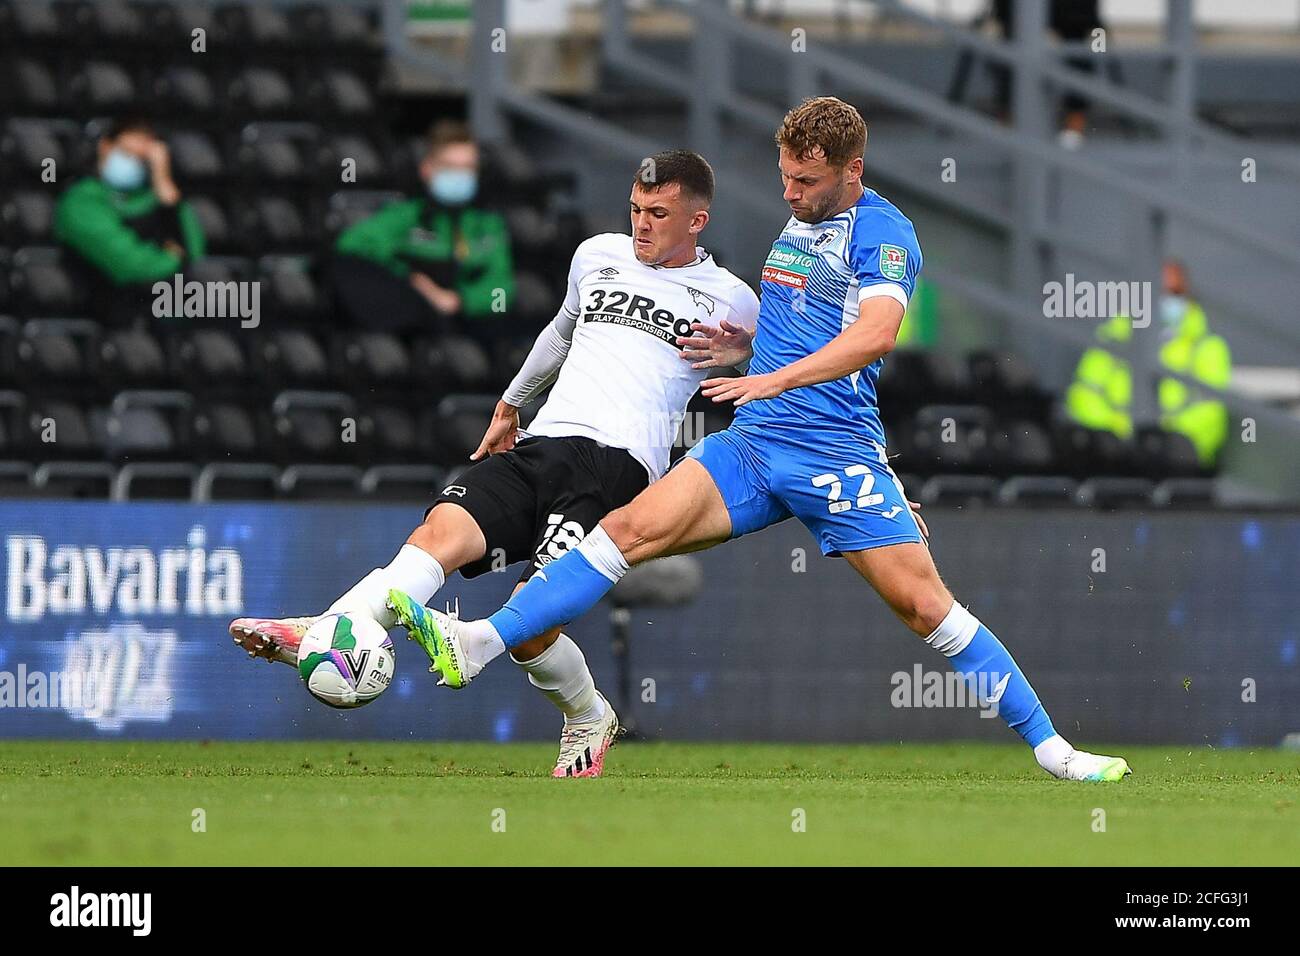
(292, 358)
(155, 479)
(259, 92)
(314, 426)
(320, 481)
(953, 438)
(131, 358)
(28, 23)
(371, 357)
(332, 26)
(59, 429)
(73, 479)
(270, 151)
(402, 482)
(149, 423)
(1113, 493)
(27, 217)
(101, 87)
(452, 363)
(289, 292)
(461, 422)
(218, 231)
(534, 297)
(1162, 454)
(346, 208)
(1023, 447)
(1039, 491)
(186, 91)
(223, 430)
(226, 481)
(195, 156)
(27, 144)
(54, 350)
(1185, 493)
(959, 490)
(44, 286)
(15, 479)
(371, 167)
(389, 434)
(341, 93)
(29, 86)
(207, 357)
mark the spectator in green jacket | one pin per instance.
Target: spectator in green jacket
(418, 263)
(128, 225)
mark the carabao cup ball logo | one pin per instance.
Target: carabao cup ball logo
(346, 661)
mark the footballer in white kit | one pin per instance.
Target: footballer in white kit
(621, 387)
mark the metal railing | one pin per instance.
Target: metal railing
(717, 36)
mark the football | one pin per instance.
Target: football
(346, 661)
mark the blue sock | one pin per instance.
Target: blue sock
(563, 591)
(1019, 705)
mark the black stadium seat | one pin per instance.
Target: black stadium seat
(1039, 491)
(1112, 493)
(452, 364)
(224, 431)
(27, 217)
(461, 421)
(959, 490)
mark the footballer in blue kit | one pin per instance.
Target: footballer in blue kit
(806, 442)
(818, 452)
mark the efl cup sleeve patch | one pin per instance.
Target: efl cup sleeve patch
(893, 261)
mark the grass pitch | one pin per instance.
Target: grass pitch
(72, 803)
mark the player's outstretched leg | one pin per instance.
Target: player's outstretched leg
(447, 539)
(683, 511)
(905, 576)
(555, 665)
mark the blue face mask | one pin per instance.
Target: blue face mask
(123, 172)
(453, 187)
(1172, 308)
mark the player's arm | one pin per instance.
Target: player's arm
(538, 371)
(872, 336)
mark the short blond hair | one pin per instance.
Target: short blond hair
(824, 123)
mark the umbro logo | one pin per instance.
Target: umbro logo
(608, 272)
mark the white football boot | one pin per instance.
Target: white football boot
(583, 745)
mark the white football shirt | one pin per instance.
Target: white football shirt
(623, 382)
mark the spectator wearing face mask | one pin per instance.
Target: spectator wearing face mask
(1102, 392)
(128, 226)
(418, 264)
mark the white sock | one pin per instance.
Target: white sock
(1051, 753)
(560, 672)
(413, 570)
(954, 631)
(603, 554)
(481, 641)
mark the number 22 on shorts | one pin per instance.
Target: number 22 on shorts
(864, 497)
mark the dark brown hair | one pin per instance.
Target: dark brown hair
(827, 124)
(689, 170)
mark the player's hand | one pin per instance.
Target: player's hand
(746, 388)
(725, 346)
(501, 434)
(446, 301)
(160, 173)
(920, 522)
